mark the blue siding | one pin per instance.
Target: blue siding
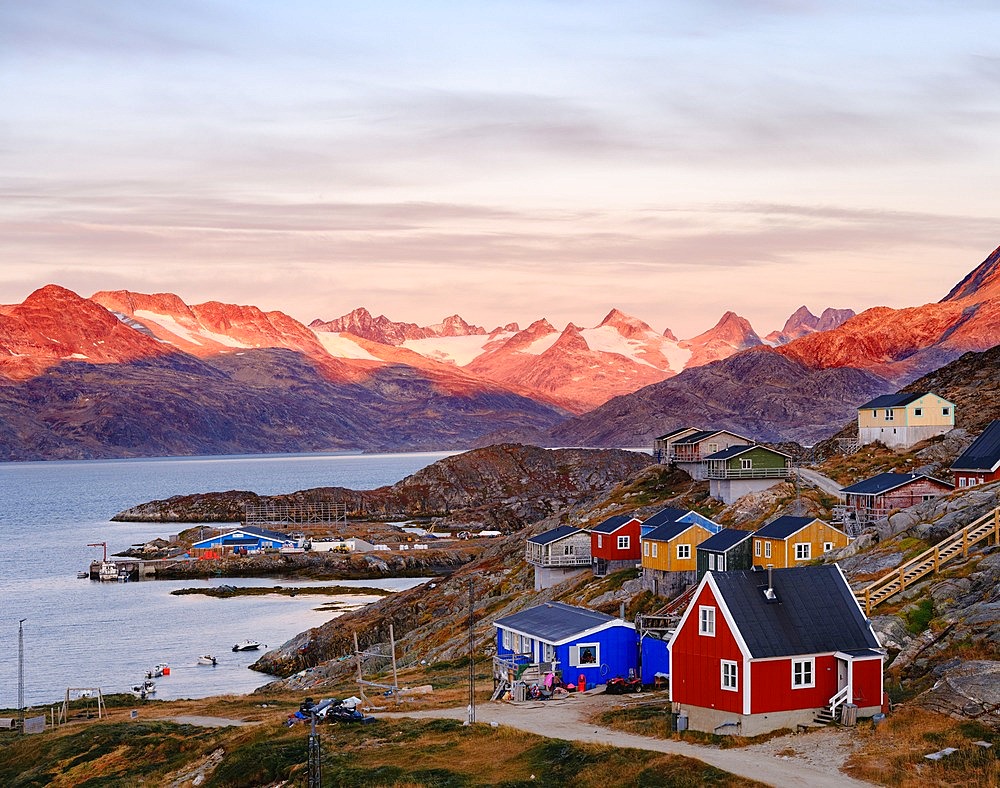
(694, 517)
(655, 658)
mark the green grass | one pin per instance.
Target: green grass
(919, 617)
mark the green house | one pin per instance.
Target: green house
(738, 470)
(727, 550)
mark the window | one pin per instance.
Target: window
(645, 548)
(874, 414)
(683, 551)
(508, 639)
(548, 652)
(918, 411)
(945, 411)
(746, 464)
(803, 673)
(711, 562)
(827, 547)
(928, 497)
(803, 551)
(568, 549)
(623, 542)
(756, 547)
(720, 563)
(767, 549)
(585, 655)
(600, 541)
(961, 481)
(706, 620)
(729, 680)
(654, 549)
(888, 414)
(712, 448)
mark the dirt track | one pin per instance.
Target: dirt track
(815, 763)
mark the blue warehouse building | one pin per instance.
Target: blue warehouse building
(249, 540)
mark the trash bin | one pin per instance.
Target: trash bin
(581, 683)
(849, 714)
(682, 722)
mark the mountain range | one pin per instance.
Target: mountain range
(125, 374)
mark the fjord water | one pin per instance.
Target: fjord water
(80, 633)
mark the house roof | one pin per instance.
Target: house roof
(263, 533)
(884, 482)
(736, 451)
(897, 400)
(547, 537)
(724, 540)
(666, 515)
(672, 433)
(251, 535)
(612, 524)
(554, 622)
(697, 437)
(814, 612)
(983, 454)
(784, 526)
(668, 531)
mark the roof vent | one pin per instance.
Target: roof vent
(769, 594)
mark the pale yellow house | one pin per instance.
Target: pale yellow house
(794, 541)
(901, 420)
(669, 557)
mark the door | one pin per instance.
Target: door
(843, 677)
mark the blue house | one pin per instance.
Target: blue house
(670, 514)
(249, 540)
(563, 638)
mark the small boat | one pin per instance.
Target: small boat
(246, 645)
(108, 571)
(207, 659)
(147, 687)
(159, 670)
(83, 575)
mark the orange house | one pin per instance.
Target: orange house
(793, 541)
(669, 557)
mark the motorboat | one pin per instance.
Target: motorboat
(159, 670)
(207, 659)
(108, 571)
(148, 687)
(82, 575)
(246, 645)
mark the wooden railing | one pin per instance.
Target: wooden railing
(929, 561)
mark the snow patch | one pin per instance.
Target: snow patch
(167, 323)
(541, 344)
(342, 346)
(451, 350)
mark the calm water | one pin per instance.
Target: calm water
(80, 633)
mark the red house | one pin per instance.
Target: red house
(757, 651)
(877, 497)
(614, 545)
(980, 463)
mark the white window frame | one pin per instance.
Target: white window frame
(888, 414)
(827, 547)
(548, 652)
(645, 548)
(945, 411)
(711, 562)
(803, 551)
(767, 549)
(746, 463)
(574, 655)
(508, 639)
(623, 542)
(600, 541)
(729, 675)
(803, 669)
(569, 549)
(654, 549)
(706, 620)
(918, 412)
(683, 552)
(756, 547)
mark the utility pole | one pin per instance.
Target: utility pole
(20, 672)
(472, 657)
(315, 755)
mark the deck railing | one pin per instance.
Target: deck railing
(748, 473)
(929, 561)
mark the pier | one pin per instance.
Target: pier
(130, 569)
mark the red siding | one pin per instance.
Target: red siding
(695, 672)
(609, 549)
(868, 682)
(976, 478)
(772, 686)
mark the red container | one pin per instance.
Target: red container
(581, 683)
(166, 670)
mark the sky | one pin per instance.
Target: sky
(505, 161)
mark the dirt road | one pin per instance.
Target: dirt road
(810, 760)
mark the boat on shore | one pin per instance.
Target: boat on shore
(207, 659)
(246, 645)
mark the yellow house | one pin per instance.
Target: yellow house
(672, 547)
(901, 420)
(793, 541)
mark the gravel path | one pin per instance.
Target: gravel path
(810, 760)
(817, 479)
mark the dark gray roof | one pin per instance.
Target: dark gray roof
(814, 611)
(698, 436)
(666, 515)
(671, 434)
(612, 524)
(892, 400)
(554, 621)
(547, 537)
(665, 533)
(884, 482)
(724, 540)
(984, 453)
(783, 527)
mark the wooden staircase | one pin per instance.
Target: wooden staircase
(929, 561)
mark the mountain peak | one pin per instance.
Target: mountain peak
(980, 283)
(626, 325)
(800, 318)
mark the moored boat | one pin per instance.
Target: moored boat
(207, 659)
(246, 645)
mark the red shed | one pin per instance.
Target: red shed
(614, 544)
(757, 651)
(980, 463)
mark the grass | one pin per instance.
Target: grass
(919, 615)
(893, 753)
(656, 721)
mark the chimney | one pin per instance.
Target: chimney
(769, 594)
(621, 611)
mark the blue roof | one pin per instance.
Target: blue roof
(891, 400)
(884, 482)
(554, 622)
(667, 515)
(983, 454)
(783, 527)
(724, 540)
(547, 537)
(249, 536)
(814, 612)
(665, 533)
(612, 524)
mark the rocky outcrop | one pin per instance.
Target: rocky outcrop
(802, 322)
(501, 487)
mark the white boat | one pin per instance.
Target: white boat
(148, 687)
(246, 645)
(159, 670)
(108, 571)
(82, 575)
(207, 659)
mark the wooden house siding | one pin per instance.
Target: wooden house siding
(666, 559)
(762, 461)
(738, 556)
(875, 506)
(973, 478)
(573, 550)
(606, 545)
(815, 534)
(867, 682)
(771, 684)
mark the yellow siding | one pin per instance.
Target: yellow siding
(927, 411)
(783, 551)
(666, 558)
